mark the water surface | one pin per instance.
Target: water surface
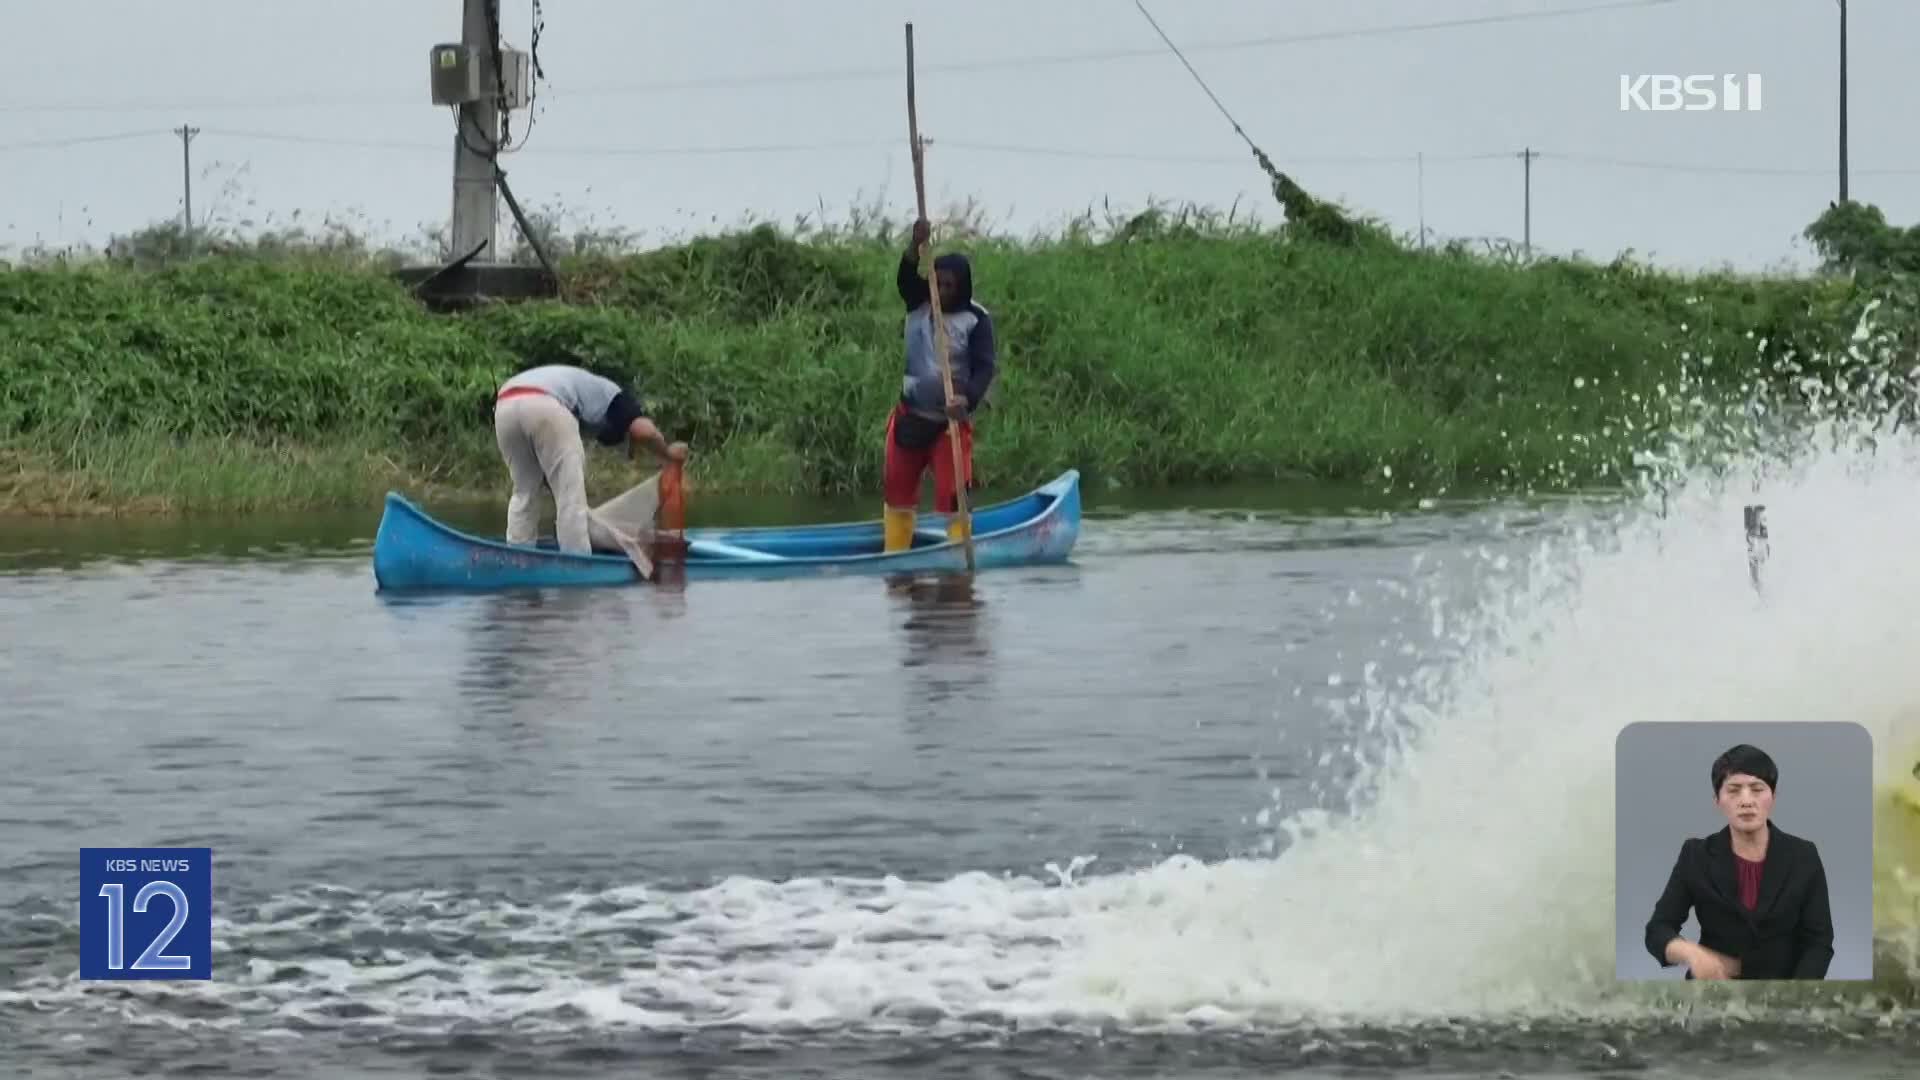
(826, 827)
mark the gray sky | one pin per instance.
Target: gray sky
(1032, 141)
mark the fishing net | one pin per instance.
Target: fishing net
(646, 522)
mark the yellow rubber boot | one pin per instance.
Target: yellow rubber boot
(899, 528)
(959, 529)
(1896, 857)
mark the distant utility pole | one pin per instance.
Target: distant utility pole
(1526, 157)
(1843, 100)
(1420, 160)
(476, 209)
(186, 176)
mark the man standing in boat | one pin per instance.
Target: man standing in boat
(917, 430)
(537, 419)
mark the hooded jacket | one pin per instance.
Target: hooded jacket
(970, 342)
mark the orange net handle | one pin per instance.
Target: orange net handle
(670, 541)
(673, 498)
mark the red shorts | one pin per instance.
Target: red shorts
(906, 466)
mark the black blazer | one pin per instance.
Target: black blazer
(1788, 935)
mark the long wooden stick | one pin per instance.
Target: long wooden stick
(933, 299)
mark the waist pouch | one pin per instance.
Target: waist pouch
(912, 431)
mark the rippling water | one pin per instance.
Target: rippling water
(835, 828)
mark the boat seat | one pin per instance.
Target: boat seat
(717, 550)
(705, 548)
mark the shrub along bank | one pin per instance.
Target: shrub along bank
(1174, 350)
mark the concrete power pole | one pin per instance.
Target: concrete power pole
(476, 208)
(1526, 189)
(186, 177)
(1843, 101)
(1420, 168)
(483, 83)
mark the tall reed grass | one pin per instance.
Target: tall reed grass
(1169, 348)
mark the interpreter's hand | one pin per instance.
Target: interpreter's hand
(957, 406)
(922, 230)
(1712, 966)
(677, 451)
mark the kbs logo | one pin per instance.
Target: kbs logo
(1689, 93)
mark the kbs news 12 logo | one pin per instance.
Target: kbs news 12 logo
(1690, 93)
(146, 913)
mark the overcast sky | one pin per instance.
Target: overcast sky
(1037, 109)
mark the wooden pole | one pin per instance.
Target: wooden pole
(939, 320)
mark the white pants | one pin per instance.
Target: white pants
(540, 440)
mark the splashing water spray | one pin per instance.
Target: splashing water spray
(1472, 870)
(1471, 876)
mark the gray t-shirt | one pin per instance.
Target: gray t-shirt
(599, 403)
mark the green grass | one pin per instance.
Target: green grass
(149, 471)
(1173, 350)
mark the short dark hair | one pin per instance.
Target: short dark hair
(1745, 759)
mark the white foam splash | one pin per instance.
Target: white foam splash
(1480, 882)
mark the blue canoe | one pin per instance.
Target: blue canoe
(414, 551)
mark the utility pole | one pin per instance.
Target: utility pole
(1843, 101)
(476, 209)
(186, 178)
(1420, 160)
(1526, 164)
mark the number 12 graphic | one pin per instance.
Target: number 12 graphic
(151, 959)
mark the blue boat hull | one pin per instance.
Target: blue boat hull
(413, 551)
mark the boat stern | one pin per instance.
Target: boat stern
(1058, 530)
(393, 544)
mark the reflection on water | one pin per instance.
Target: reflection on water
(946, 650)
(668, 553)
(534, 648)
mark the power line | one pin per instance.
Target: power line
(1203, 159)
(77, 140)
(1107, 55)
(1237, 129)
(878, 73)
(207, 105)
(1734, 170)
(1015, 149)
(1411, 159)
(573, 151)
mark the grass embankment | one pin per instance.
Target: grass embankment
(1165, 353)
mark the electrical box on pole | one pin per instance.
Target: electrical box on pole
(460, 77)
(456, 74)
(517, 77)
